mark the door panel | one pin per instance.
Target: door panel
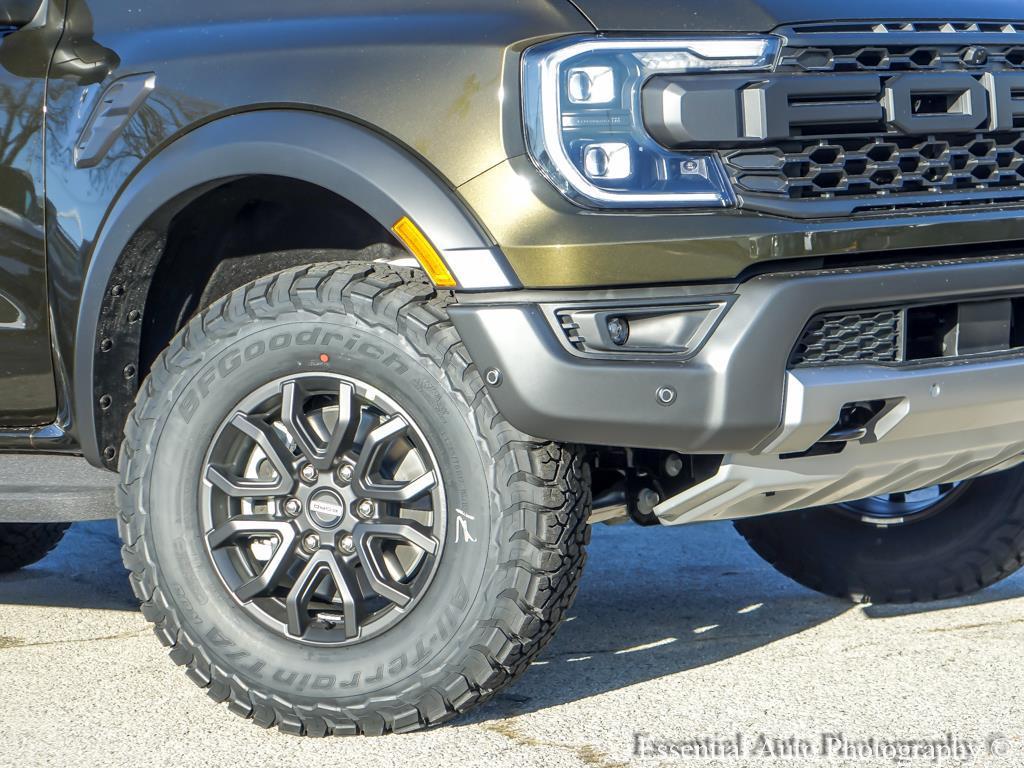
(27, 392)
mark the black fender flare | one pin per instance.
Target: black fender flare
(344, 157)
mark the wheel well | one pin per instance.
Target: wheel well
(202, 246)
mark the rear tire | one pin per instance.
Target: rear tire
(975, 540)
(510, 556)
(22, 544)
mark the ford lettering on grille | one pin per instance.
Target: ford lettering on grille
(710, 111)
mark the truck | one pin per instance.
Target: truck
(376, 307)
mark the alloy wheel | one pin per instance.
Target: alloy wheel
(323, 508)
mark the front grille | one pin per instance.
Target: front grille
(900, 335)
(843, 169)
(897, 58)
(881, 165)
(902, 46)
(849, 337)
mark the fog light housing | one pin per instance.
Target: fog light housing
(676, 330)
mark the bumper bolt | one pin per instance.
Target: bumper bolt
(674, 465)
(308, 473)
(310, 542)
(365, 509)
(347, 546)
(345, 473)
(647, 500)
(493, 377)
(292, 507)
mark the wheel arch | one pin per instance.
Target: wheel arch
(340, 156)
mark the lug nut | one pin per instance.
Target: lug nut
(345, 473)
(347, 546)
(310, 542)
(308, 473)
(292, 507)
(365, 509)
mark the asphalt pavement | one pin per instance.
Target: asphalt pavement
(683, 649)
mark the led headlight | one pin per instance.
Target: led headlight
(584, 121)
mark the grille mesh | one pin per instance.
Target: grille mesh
(841, 170)
(849, 337)
(898, 58)
(881, 165)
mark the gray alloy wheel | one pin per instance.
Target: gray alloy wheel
(321, 478)
(904, 507)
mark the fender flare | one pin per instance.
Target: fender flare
(344, 157)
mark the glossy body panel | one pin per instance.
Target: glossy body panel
(27, 391)
(439, 82)
(765, 15)
(429, 80)
(553, 244)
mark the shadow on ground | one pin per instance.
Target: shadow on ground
(654, 601)
(84, 571)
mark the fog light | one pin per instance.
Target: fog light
(618, 330)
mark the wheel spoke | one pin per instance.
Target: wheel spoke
(245, 527)
(277, 453)
(390, 490)
(399, 492)
(405, 531)
(318, 452)
(322, 565)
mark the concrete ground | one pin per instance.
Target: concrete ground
(680, 641)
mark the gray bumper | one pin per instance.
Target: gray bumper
(942, 424)
(939, 422)
(731, 392)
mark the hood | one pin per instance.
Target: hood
(766, 15)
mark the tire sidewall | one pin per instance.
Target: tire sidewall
(229, 370)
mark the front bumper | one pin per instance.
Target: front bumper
(736, 397)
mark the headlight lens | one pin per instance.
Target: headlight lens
(584, 123)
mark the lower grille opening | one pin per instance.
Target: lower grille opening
(912, 334)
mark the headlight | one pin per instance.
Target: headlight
(584, 124)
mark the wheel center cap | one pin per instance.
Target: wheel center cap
(326, 509)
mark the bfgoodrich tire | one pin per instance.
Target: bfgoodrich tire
(970, 538)
(22, 544)
(305, 371)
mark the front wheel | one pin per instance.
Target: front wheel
(326, 518)
(930, 544)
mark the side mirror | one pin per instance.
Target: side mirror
(18, 13)
(25, 50)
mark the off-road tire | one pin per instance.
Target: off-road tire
(22, 544)
(974, 542)
(529, 562)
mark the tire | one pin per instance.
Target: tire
(515, 517)
(22, 544)
(970, 541)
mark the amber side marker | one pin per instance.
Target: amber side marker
(424, 252)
